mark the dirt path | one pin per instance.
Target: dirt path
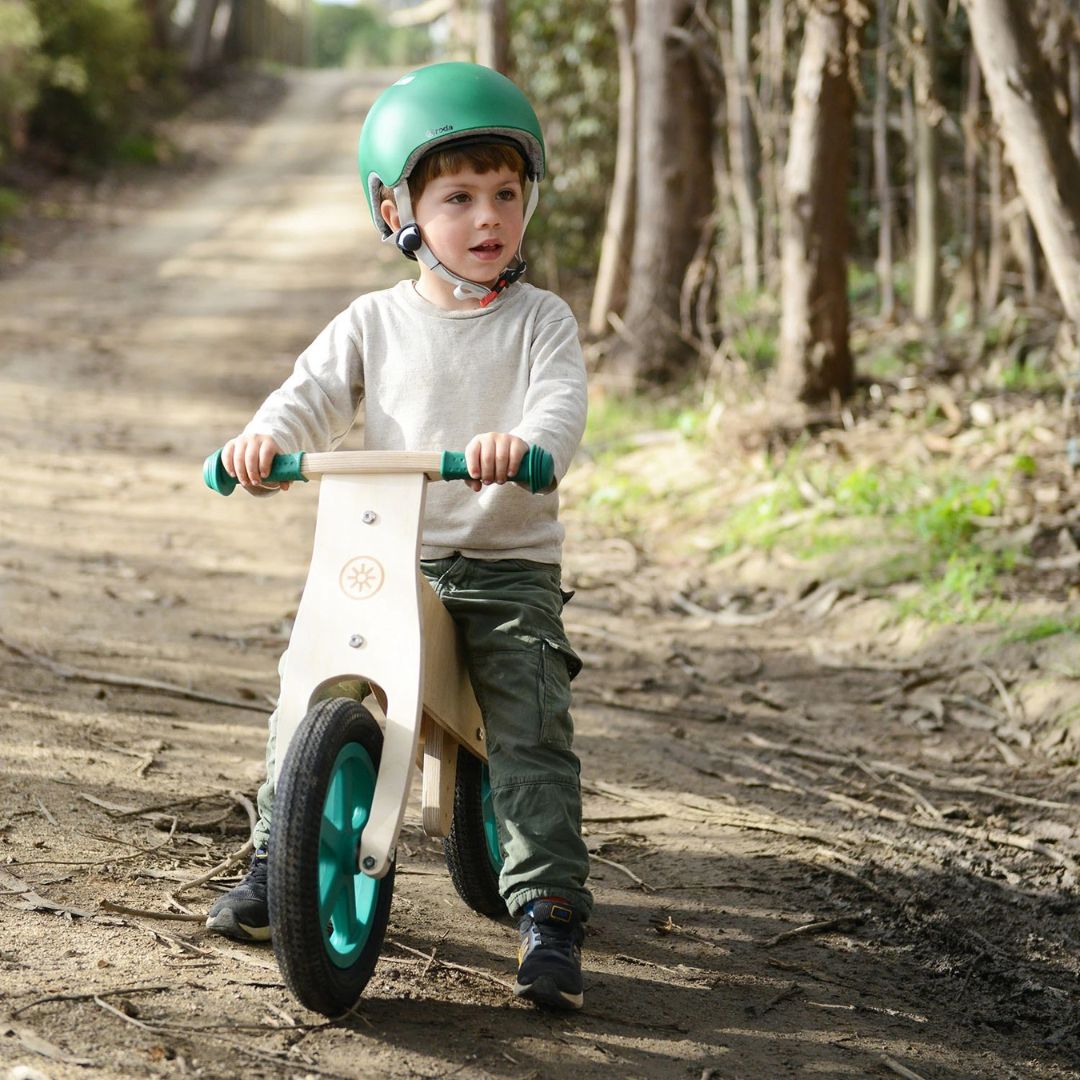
(810, 859)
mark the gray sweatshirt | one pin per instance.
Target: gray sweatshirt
(431, 379)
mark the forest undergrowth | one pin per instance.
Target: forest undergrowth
(938, 503)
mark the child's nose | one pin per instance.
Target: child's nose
(487, 212)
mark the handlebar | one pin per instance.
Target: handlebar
(536, 472)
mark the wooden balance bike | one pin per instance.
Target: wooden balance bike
(367, 616)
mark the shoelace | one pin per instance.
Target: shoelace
(549, 934)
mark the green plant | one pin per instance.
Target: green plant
(21, 70)
(11, 202)
(756, 344)
(565, 61)
(97, 60)
(1044, 628)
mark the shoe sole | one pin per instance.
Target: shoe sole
(226, 924)
(543, 991)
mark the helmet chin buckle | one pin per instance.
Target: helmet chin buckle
(408, 240)
(505, 279)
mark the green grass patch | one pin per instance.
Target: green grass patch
(1044, 628)
(1029, 377)
(884, 527)
(617, 423)
(11, 203)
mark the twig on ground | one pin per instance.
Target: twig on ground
(668, 926)
(901, 1070)
(88, 996)
(645, 886)
(66, 671)
(48, 817)
(726, 618)
(937, 783)
(626, 958)
(263, 1054)
(120, 909)
(237, 856)
(788, 991)
(1011, 709)
(453, 967)
(245, 803)
(840, 923)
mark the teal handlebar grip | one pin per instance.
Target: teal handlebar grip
(536, 472)
(285, 467)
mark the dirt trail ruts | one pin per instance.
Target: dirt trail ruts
(799, 871)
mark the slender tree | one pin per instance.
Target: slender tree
(609, 294)
(493, 35)
(927, 187)
(743, 154)
(882, 176)
(773, 136)
(673, 192)
(1035, 134)
(815, 359)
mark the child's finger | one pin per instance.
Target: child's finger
(251, 464)
(227, 458)
(515, 456)
(502, 461)
(487, 460)
(267, 452)
(472, 459)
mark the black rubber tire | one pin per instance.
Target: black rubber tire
(468, 855)
(296, 929)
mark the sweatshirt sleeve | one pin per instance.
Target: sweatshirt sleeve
(316, 405)
(556, 402)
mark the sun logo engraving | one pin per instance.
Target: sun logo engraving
(361, 578)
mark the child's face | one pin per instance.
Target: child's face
(473, 221)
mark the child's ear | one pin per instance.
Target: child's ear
(390, 214)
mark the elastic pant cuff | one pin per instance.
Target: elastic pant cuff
(582, 904)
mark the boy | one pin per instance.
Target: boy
(451, 156)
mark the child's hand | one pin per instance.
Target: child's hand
(248, 458)
(492, 457)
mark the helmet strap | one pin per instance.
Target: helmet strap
(410, 242)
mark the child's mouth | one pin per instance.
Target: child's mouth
(488, 250)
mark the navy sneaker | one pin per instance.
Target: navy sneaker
(242, 913)
(549, 959)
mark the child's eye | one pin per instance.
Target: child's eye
(507, 195)
(458, 197)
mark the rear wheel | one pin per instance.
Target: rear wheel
(327, 919)
(473, 854)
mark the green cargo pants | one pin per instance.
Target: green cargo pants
(509, 613)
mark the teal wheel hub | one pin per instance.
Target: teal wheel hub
(491, 828)
(347, 896)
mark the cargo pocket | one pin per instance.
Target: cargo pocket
(559, 664)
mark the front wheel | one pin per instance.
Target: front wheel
(473, 855)
(327, 918)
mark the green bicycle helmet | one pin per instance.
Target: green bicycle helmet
(435, 106)
(441, 104)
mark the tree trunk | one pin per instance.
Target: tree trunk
(972, 140)
(493, 35)
(995, 253)
(202, 25)
(773, 143)
(1035, 134)
(612, 274)
(742, 137)
(1074, 91)
(815, 360)
(157, 17)
(881, 167)
(673, 197)
(927, 275)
